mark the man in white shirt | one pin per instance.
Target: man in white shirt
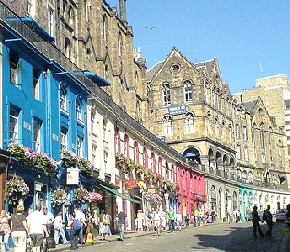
(37, 228)
(178, 219)
(48, 216)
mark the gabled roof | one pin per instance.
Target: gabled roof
(249, 106)
(153, 71)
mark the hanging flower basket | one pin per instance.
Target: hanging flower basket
(82, 196)
(16, 189)
(29, 157)
(153, 198)
(95, 197)
(60, 197)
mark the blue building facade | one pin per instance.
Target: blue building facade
(44, 110)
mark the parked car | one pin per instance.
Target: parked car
(280, 215)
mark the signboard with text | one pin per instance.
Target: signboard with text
(177, 109)
(72, 176)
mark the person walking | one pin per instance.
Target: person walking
(75, 229)
(171, 215)
(90, 227)
(178, 219)
(37, 227)
(267, 216)
(19, 229)
(5, 230)
(256, 223)
(105, 226)
(121, 218)
(59, 229)
(157, 222)
(79, 214)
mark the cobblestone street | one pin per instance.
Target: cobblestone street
(211, 237)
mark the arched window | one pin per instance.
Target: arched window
(117, 140)
(105, 30)
(159, 166)
(166, 99)
(167, 122)
(189, 123)
(120, 45)
(63, 98)
(153, 162)
(187, 86)
(79, 110)
(136, 153)
(145, 158)
(126, 146)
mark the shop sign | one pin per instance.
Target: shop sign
(132, 183)
(72, 176)
(151, 190)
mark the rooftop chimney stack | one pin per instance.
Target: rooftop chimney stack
(123, 18)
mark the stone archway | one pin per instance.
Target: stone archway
(192, 154)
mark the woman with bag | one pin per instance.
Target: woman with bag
(20, 230)
(5, 230)
(104, 227)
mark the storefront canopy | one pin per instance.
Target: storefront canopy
(117, 193)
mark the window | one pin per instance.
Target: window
(14, 67)
(105, 162)
(189, 126)
(37, 135)
(237, 131)
(105, 130)
(80, 146)
(94, 122)
(166, 94)
(30, 7)
(79, 110)
(245, 133)
(167, 125)
(126, 146)
(153, 162)
(246, 153)
(64, 138)
(145, 158)
(67, 47)
(262, 136)
(187, 91)
(263, 158)
(36, 74)
(120, 45)
(94, 155)
(105, 29)
(238, 152)
(63, 98)
(50, 21)
(117, 140)
(14, 123)
(136, 153)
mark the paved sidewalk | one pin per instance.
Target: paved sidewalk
(109, 238)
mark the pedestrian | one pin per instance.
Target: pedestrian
(229, 216)
(105, 225)
(171, 215)
(196, 213)
(238, 216)
(256, 223)
(178, 220)
(5, 230)
(75, 229)
(121, 218)
(79, 214)
(19, 229)
(187, 218)
(139, 220)
(59, 231)
(37, 228)
(267, 216)
(90, 227)
(157, 222)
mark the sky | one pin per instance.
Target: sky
(249, 38)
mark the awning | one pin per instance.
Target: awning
(116, 192)
(96, 78)
(30, 22)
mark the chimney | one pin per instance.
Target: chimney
(123, 18)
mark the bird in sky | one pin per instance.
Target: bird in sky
(150, 27)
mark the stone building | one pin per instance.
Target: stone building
(192, 109)
(96, 37)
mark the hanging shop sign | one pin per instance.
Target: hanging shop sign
(151, 190)
(132, 183)
(72, 176)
